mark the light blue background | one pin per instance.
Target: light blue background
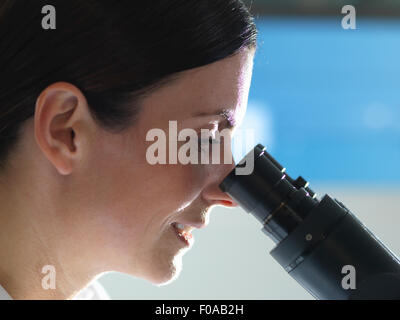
(329, 97)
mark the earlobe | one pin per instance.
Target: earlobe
(59, 110)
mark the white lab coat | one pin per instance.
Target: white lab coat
(94, 291)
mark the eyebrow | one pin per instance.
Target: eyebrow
(225, 113)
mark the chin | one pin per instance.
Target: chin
(166, 272)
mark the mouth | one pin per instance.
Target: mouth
(183, 231)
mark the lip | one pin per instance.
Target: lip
(188, 240)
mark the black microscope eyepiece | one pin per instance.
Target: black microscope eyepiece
(270, 194)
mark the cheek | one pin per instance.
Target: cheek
(131, 195)
(177, 185)
(173, 186)
(144, 196)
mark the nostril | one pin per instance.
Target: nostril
(229, 203)
(213, 194)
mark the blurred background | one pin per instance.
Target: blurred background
(325, 101)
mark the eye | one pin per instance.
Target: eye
(206, 142)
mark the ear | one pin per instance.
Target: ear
(63, 125)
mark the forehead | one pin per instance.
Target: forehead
(220, 85)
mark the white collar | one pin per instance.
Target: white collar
(94, 291)
(4, 294)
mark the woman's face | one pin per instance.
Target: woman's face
(131, 203)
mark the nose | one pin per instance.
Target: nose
(213, 194)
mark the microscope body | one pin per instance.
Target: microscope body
(321, 244)
(334, 256)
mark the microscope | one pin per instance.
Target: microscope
(320, 243)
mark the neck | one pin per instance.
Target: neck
(39, 257)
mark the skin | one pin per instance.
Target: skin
(89, 202)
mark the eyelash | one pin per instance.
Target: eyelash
(210, 142)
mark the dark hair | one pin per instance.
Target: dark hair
(115, 52)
